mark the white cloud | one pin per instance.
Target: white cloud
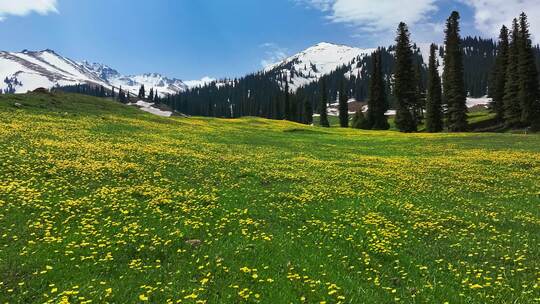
(378, 19)
(490, 15)
(375, 16)
(25, 7)
(273, 54)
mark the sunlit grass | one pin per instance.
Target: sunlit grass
(101, 202)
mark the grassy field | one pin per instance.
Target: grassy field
(100, 202)
(475, 116)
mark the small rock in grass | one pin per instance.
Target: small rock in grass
(18, 105)
(194, 243)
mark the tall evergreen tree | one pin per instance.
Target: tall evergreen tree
(377, 103)
(151, 94)
(419, 107)
(512, 108)
(434, 114)
(142, 92)
(528, 75)
(288, 107)
(343, 105)
(499, 74)
(122, 96)
(453, 80)
(404, 81)
(308, 112)
(323, 110)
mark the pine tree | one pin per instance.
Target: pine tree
(142, 92)
(434, 115)
(404, 82)
(377, 103)
(121, 96)
(528, 75)
(323, 105)
(499, 74)
(288, 113)
(343, 105)
(453, 79)
(512, 108)
(278, 110)
(418, 109)
(112, 93)
(151, 94)
(308, 112)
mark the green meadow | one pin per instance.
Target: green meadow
(100, 202)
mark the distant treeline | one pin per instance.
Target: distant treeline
(262, 94)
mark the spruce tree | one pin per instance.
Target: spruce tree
(512, 108)
(277, 107)
(404, 81)
(499, 74)
(323, 105)
(142, 92)
(528, 75)
(288, 114)
(151, 94)
(434, 114)
(308, 112)
(377, 102)
(453, 79)
(343, 105)
(122, 96)
(420, 92)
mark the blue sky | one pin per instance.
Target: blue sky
(189, 39)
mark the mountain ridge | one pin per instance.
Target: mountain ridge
(27, 70)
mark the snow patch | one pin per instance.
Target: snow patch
(482, 101)
(150, 108)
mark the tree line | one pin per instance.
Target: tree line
(390, 78)
(515, 78)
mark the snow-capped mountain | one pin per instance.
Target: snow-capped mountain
(27, 70)
(319, 60)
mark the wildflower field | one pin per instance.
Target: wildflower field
(100, 203)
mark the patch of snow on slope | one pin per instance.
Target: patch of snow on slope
(150, 108)
(482, 101)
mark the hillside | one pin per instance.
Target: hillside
(102, 202)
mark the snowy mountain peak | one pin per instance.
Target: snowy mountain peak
(103, 71)
(28, 70)
(319, 60)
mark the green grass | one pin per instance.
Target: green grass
(476, 116)
(102, 202)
